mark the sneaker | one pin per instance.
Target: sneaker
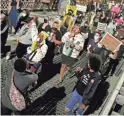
(8, 55)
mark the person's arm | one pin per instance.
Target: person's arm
(34, 33)
(88, 94)
(5, 28)
(9, 6)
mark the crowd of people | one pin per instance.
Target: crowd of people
(39, 43)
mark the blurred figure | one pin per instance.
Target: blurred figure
(22, 19)
(13, 14)
(67, 22)
(115, 58)
(45, 26)
(27, 35)
(4, 23)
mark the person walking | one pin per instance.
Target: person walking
(86, 86)
(73, 44)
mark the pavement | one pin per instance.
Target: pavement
(48, 97)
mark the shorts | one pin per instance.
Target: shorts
(69, 61)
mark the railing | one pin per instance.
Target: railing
(26, 4)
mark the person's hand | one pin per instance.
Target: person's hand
(82, 107)
(78, 69)
(111, 56)
(72, 35)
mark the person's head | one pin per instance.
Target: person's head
(121, 18)
(25, 12)
(20, 65)
(55, 27)
(30, 21)
(40, 37)
(94, 62)
(96, 37)
(70, 12)
(3, 15)
(76, 29)
(46, 19)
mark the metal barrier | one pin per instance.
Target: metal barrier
(26, 4)
(107, 108)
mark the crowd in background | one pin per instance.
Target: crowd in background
(38, 43)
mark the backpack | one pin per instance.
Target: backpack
(17, 99)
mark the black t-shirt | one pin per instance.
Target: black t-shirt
(47, 28)
(58, 35)
(83, 81)
(120, 52)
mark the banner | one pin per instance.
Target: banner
(73, 8)
(81, 8)
(110, 42)
(102, 26)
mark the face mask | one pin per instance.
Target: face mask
(23, 14)
(96, 38)
(45, 21)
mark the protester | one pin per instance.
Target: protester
(22, 80)
(85, 87)
(13, 13)
(66, 23)
(120, 32)
(112, 27)
(115, 58)
(45, 26)
(53, 41)
(22, 19)
(73, 44)
(27, 35)
(4, 23)
(37, 52)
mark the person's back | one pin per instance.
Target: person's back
(22, 80)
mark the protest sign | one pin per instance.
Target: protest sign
(110, 42)
(81, 8)
(73, 8)
(102, 26)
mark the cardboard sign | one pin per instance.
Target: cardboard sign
(81, 8)
(102, 26)
(110, 42)
(73, 8)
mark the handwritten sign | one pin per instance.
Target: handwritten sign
(73, 8)
(102, 26)
(110, 42)
(81, 8)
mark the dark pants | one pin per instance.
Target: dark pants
(112, 66)
(21, 49)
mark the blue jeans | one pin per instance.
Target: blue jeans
(75, 98)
